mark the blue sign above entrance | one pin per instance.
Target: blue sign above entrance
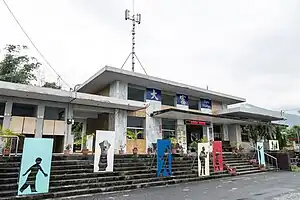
(205, 103)
(153, 94)
(182, 99)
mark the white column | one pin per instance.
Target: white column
(83, 131)
(225, 132)
(118, 120)
(234, 132)
(7, 114)
(39, 121)
(69, 138)
(153, 125)
(182, 103)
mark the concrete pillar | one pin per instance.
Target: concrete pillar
(69, 138)
(7, 114)
(234, 132)
(225, 132)
(153, 125)
(39, 121)
(83, 131)
(118, 120)
(182, 103)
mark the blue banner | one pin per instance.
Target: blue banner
(182, 99)
(153, 94)
(205, 103)
(260, 153)
(35, 166)
(164, 158)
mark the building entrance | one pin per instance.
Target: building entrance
(194, 134)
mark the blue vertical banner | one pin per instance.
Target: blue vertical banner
(35, 166)
(153, 94)
(164, 158)
(182, 99)
(260, 153)
(205, 103)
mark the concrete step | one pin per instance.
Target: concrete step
(97, 189)
(82, 180)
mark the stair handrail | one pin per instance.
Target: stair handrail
(272, 158)
(194, 158)
(152, 161)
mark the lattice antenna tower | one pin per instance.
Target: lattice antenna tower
(136, 19)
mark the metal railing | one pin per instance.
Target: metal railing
(271, 160)
(11, 142)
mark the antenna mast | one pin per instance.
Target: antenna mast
(135, 19)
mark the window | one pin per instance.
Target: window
(193, 104)
(168, 128)
(24, 110)
(52, 113)
(244, 134)
(218, 132)
(136, 125)
(167, 100)
(136, 94)
(245, 137)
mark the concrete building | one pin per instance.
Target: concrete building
(120, 100)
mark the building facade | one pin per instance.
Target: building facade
(125, 101)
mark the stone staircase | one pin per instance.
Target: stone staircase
(73, 175)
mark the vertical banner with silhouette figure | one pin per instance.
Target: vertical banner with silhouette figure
(203, 159)
(260, 153)
(104, 151)
(273, 145)
(164, 158)
(217, 156)
(35, 166)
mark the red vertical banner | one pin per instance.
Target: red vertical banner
(217, 156)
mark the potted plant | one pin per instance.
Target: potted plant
(149, 150)
(174, 145)
(7, 136)
(85, 150)
(234, 146)
(121, 150)
(132, 135)
(135, 151)
(67, 149)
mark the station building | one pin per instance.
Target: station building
(122, 101)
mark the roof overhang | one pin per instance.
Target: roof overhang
(247, 111)
(176, 113)
(55, 95)
(107, 75)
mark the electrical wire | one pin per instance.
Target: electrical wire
(31, 41)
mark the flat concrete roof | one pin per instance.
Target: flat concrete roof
(55, 95)
(108, 74)
(177, 113)
(248, 111)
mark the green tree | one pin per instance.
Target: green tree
(51, 85)
(17, 66)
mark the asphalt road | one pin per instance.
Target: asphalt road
(266, 186)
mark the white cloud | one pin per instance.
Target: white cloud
(244, 48)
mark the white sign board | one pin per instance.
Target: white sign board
(203, 159)
(104, 151)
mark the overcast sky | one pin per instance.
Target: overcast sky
(246, 48)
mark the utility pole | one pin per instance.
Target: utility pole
(135, 19)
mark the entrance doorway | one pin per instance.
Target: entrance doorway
(194, 133)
